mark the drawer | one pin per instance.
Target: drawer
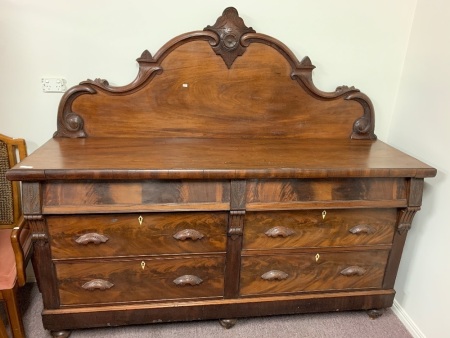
(82, 197)
(128, 234)
(121, 281)
(291, 193)
(270, 274)
(319, 228)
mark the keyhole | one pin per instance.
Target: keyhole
(317, 257)
(324, 213)
(143, 265)
(140, 219)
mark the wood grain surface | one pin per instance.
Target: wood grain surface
(310, 229)
(134, 282)
(127, 237)
(192, 158)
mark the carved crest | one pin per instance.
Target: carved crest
(230, 27)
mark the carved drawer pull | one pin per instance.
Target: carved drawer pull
(188, 234)
(188, 280)
(353, 271)
(279, 231)
(91, 237)
(275, 275)
(362, 229)
(97, 284)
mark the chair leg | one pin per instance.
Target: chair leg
(14, 315)
(3, 333)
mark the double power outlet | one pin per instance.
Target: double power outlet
(53, 85)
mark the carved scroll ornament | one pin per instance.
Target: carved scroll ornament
(406, 218)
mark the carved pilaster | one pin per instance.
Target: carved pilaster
(406, 218)
(236, 224)
(37, 226)
(31, 200)
(237, 206)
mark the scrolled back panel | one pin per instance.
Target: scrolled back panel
(189, 90)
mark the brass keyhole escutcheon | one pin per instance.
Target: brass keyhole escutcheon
(140, 220)
(324, 213)
(317, 257)
(143, 265)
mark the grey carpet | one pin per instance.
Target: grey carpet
(344, 324)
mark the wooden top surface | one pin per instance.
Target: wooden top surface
(200, 158)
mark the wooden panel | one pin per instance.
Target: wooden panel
(196, 89)
(357, 192)
(139, 280)
(312, 272)
(98, 196)
(319, 228)
(123, 234)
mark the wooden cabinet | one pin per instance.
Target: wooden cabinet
(221, 183)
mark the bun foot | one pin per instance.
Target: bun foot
(375, 313)
(227, 323)
(60, 334)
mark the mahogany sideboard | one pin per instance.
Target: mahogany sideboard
(220, 183)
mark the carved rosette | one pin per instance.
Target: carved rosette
(406, 218)
(230, 28)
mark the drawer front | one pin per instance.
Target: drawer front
(140, 280)
(319, 228)
(339, 191)
(124, 235)
(63, 197)
(269, 274)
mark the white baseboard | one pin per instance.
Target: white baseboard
(406, 320)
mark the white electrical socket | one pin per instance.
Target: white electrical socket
(53, 85)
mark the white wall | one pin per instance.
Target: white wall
(421, 127)
(354, 42)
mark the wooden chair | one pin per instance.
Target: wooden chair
(15, 236)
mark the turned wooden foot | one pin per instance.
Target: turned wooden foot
(375, 313)
(60, 334)
(227, 323)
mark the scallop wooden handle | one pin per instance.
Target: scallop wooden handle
(91, 237)
(353, 271)
(188, 280)
(275, 275)
(279, 231)
(188, 234)
(97, 284)
(362, 229)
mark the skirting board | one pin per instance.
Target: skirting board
(406, 320)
